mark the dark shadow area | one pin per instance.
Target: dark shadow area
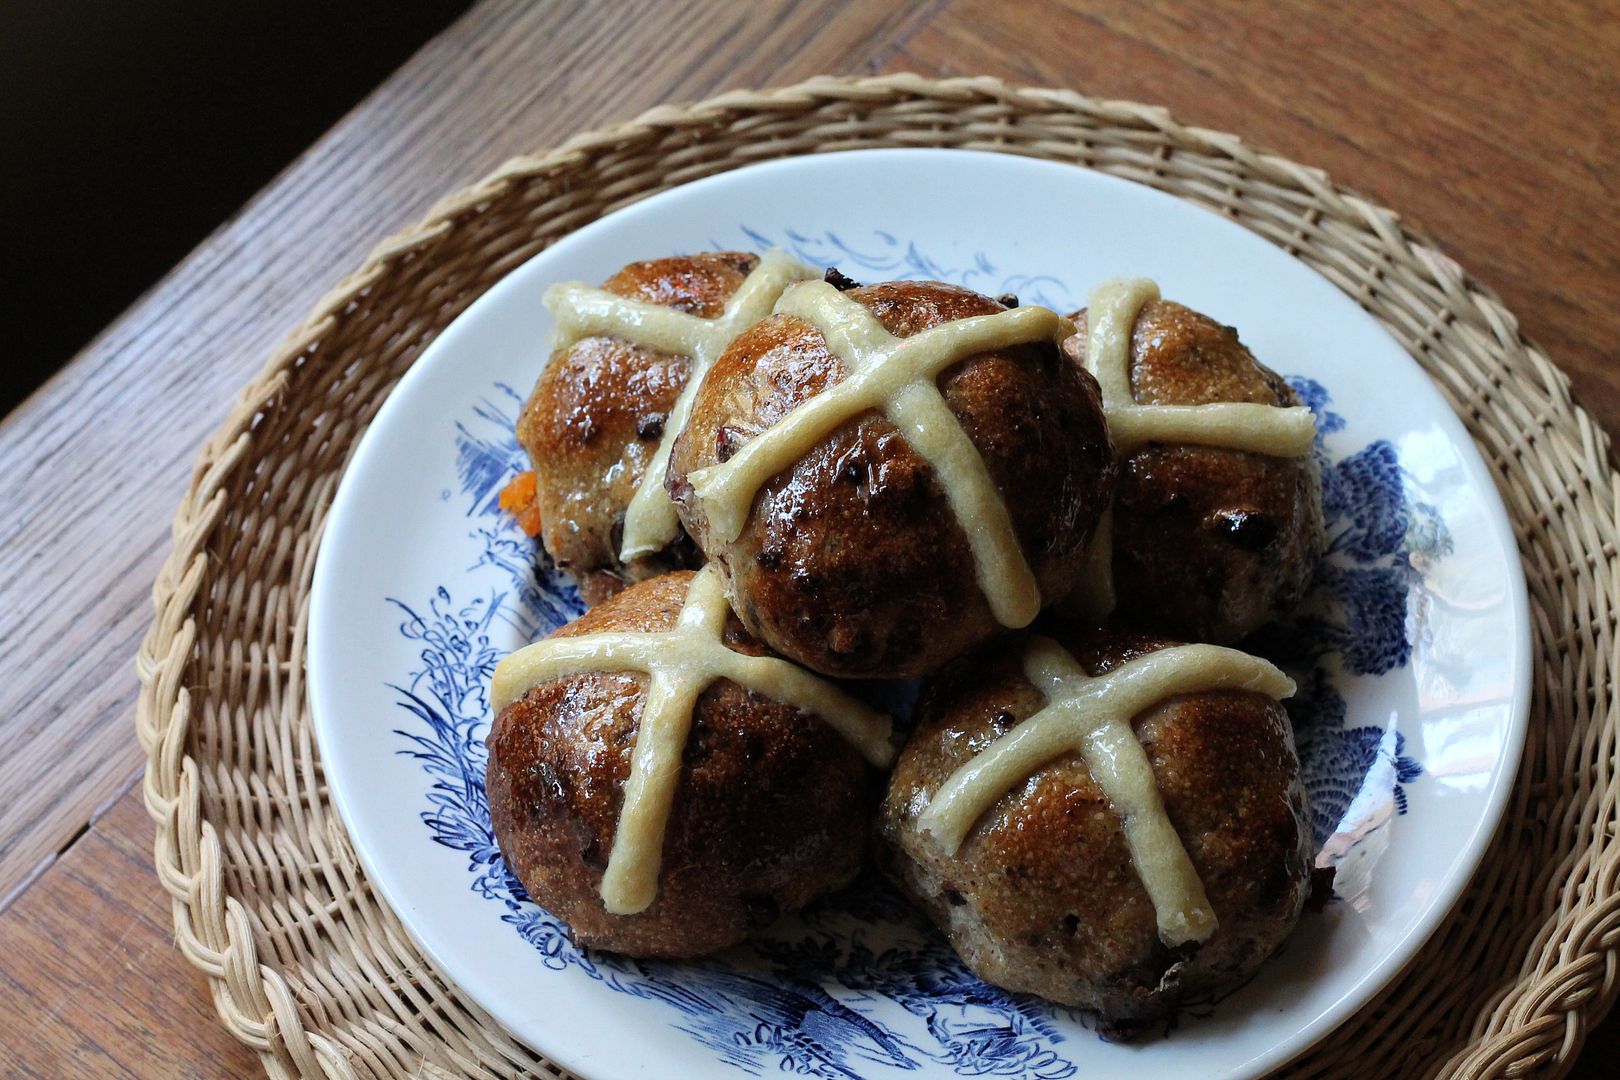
(130, 130)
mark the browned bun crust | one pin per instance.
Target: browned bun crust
(1043, 897)
(595, 419)
(1209, 544)
(852, 562)
(771, 810)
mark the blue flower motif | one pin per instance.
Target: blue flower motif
(1363, 495)
(483, 461)
(798, 1000)
(1352, 776)
(1372, 638)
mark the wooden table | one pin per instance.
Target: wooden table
(1493, 126)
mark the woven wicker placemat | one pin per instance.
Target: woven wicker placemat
(312, 971)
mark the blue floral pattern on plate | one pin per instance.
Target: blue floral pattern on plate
(799, 999)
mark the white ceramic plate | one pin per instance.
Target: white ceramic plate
(1412, 657)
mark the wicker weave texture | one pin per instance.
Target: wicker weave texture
(310, 969)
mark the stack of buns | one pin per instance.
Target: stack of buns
(768, 481)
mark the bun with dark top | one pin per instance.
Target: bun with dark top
(768, 806)
(606, 407)
(848, 544)
(1045, 894)
(1208, 542)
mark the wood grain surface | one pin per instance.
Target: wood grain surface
(1492, 126)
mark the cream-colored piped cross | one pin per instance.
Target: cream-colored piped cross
(682, 662)
(1092, 716)
(1232, 425)
(897, 377)
(582, 311)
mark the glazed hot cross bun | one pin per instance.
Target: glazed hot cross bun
(887, 475)
(601, 418)
(662, 783)
(1110, 821)
(1216, 524)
